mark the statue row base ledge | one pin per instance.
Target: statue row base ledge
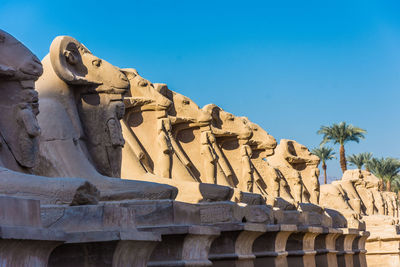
(172, 233)
(383, 245)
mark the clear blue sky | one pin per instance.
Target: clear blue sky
(290, 66)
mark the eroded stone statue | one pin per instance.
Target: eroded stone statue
(363, 186)
(146, 120)
(112, 127)
(20, 131)
(357, 196)
(232, 136)
(268, 181)
(300, 168)
(154, 123)
(81, 105)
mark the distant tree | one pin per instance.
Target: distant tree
(367, 157)
(396, 185)
(385, 169)
(357, 160)
(325, 154)
(341, 134)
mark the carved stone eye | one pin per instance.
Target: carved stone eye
(185, 102)
(96, 62)
(143, 83)
(230, 117)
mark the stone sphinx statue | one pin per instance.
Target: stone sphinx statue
(360, 190)
(333, 196)
(269, 180)
(20, 131)
(368, 187)
(392, 204)
(81, 99)
(152, 125)
(363, 186)
(186, 149)
(300, 169)
(360, 185)
(232, 136)
(146, 120)
(193, 135)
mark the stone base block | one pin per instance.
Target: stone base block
(182, 245)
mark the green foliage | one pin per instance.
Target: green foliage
(341, 133)
(367, 157)
(356, 160)
(384, 168)
(359, 160)
(396, 184)
(324, 153)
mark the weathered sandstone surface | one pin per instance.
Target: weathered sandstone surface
(118, 171)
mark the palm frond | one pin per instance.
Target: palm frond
(324, 153)
(357, 160)
(341, 133)
(384, 168)
(367, 157)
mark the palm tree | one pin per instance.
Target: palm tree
(396, 185)
(385, 169)
(324, 153)
(376, 167)
(356, 160)
(367, 157)
(341, 134)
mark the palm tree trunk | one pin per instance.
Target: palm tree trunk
(343, 163)
(324, 168)
(388, 185)
(381, 184)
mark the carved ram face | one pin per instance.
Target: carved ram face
(76, 65)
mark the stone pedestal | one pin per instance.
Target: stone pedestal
(344, 246)
(325, 248)
(98, 235)
(26, 247)
(182, 245)
(23, 240)
(383, 246)
(169, 212)
(105, 248)
(270, 248)
(235, 244)
(359, 258)
(300, 246)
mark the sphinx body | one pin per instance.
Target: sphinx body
(20, 131)
(191, 129)
(360, 198)
(232, 135)
(149, 129)
(169, 137)
(266, 179)
(185, 148)
(300, 169)
(343, 197)
(81, 98)
(372, 201)
(154, 127)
